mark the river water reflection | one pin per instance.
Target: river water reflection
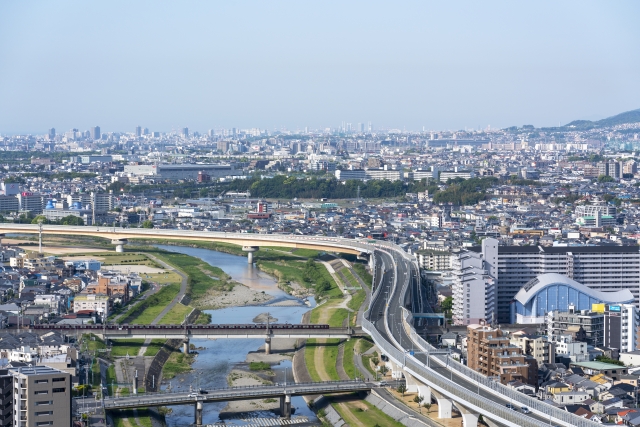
(218, 357)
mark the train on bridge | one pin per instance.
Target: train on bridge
(111, 327)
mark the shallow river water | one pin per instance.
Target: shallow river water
(217, 358)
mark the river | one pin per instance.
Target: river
(217, 358)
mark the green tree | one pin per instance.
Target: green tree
(72, 220)
(40, 218)
(447, 304)
(147, 224)
(427, 406)
(401, 389)
(606, 178)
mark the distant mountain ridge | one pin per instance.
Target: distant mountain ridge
(632, 116)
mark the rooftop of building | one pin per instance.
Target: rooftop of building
(36, 370)
(599, 366)
(531, 289)
(562, 249)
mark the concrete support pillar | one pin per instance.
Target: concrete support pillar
(285, 406)
(444, 407)
(119, 244)
(134, 386)
(424, 391)
(198, 414)
(469, 418)
(267, 346)
(185, 347)
(396, 370)
(250, 250)
(412, 383)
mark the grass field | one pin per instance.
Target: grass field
(361, 270)
(178, 363)
(154, 347)
(309, 354)
(176, 315)
(362, 413)
(356, 300)
(146, 311)
(123, 347)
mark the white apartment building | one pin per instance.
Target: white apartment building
(576, 351)
(602, 268)
(473, 289)
(93, 302)
(434, 260)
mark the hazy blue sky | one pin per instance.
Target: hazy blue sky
(205, 64)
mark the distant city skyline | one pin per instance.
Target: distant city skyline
(202, 65)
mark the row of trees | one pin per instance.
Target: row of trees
(283, 187)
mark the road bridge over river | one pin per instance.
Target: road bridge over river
(282, 391)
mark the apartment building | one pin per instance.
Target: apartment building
(602, 268)
(535, 346)
(491, 353)
(606, 325)
(434, 260)
(41, 397)
(581, 325)
(473, 290)
(99, 303)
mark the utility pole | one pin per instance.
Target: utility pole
(40, 236)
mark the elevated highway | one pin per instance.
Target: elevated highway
(251, 241)
(395, 288)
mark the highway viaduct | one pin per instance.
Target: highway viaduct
(395, 277)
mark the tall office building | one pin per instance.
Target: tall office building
(138, 130)
(602, 268)
(185, 132)
(41, 397)
(361, 127)
(211, 133)
(52, 133)
(95, 133)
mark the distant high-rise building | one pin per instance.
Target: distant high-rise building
(138, 131)
(145, 131)
(306, 129)
(52, 133)
(211, 133)
(185, 132)
(370, 127)
(234, 131)
(361, 127)
(155, 134)
(95, 133)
